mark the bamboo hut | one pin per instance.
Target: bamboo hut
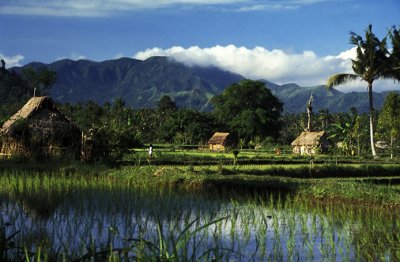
(218, 141)
(310, 143)
(39, 130)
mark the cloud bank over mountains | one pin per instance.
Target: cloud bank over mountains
(278, 66)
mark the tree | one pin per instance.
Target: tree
(370, 64)
(119, 114)
(40, 80)
(360, 132)
(248, 109)
(108, 129)
(389, 119)
(166, 104)
(188, 126)
(146, 123)
(14, 92)
(294, 125)
(395, 54)
(323, 119)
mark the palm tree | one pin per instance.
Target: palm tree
(395, 55)
(370, 64)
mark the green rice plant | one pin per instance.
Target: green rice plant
(171, 247)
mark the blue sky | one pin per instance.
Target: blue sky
(301, 41)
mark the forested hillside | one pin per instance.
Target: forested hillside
(141, 84)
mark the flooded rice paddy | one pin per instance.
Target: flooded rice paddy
(121, 223)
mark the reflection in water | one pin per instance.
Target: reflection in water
(83, 221)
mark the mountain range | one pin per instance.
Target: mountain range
(142, 83)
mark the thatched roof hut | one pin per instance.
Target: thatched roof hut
(218, 141)
(39, 129)
(309, 143)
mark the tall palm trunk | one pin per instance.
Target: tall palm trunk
(371, 120)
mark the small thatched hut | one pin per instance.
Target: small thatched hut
(218, 141)
(310, 143)
(39, 129)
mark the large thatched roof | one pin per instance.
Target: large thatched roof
(309, 139)
(218, 138)
(34, 105)
(40, 129)
(39, 117)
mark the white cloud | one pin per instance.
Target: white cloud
(258, 63)
(108, 7)
(118, 56)
(268, 7)
(73, 56)
(12, 61)
(279, 66)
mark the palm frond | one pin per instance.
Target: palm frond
(339, 79)
(355, 39)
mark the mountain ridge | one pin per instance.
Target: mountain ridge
(141, 83)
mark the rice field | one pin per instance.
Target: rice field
(116, 216)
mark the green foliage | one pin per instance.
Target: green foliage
(371, 62)
(349, 132)
(166, 104)
(110, 130)
(40, 80)
(395, 54)
(248, 109)
(170, 246)
(187, 126)
(14, 92)
(235, 153)
(389, 120)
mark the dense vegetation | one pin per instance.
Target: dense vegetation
(124, 127)
(191, 127)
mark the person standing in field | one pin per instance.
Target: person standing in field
(150, 151)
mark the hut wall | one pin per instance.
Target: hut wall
(217, 147)
(11, 146)
(43, 142)
(305, 150)
(16, 147)
(296, 150)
